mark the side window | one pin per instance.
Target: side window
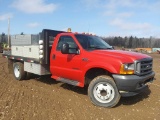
(65, 39)
(60, 42)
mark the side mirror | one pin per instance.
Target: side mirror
(65, 48)
(69, 49)
(113, 47)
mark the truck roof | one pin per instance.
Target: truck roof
(75, 33)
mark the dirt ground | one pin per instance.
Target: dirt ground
(45, 99)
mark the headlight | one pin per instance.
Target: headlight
(127, 68)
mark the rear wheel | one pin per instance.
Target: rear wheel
(18, 70)
(103, 91)
(28, 75)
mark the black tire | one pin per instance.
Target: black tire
(18, 71)
(28, 75)
(103, 91)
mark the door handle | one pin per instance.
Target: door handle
(53, 56)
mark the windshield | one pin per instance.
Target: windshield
(89, 42)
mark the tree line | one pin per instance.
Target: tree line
(133, 42)
(3, 38)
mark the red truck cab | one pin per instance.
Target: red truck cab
(83, 59)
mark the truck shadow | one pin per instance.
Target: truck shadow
(76, 89)
(48, 80)
(45, 79)
(134, 99)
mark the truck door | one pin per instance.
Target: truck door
(66, 65)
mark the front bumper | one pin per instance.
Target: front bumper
(132, 84)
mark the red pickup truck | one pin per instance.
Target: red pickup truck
(82, 60)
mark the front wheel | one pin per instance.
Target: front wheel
(103, 91)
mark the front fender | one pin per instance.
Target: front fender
(112, 68)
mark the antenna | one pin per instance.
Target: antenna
(8, 31)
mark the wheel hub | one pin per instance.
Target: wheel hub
(16, 71)
(104, 92)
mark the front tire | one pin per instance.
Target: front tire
(18, 71)
(103, 91)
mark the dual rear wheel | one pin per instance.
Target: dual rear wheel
(18, 71)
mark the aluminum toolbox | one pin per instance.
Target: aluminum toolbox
(27, 39)
(17, 50)
(35, 68)
(31, 51)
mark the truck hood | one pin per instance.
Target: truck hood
(124, 56)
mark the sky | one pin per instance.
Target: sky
(105, 18)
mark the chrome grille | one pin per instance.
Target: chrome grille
(144, 66)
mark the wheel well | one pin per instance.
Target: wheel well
(94, 72)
